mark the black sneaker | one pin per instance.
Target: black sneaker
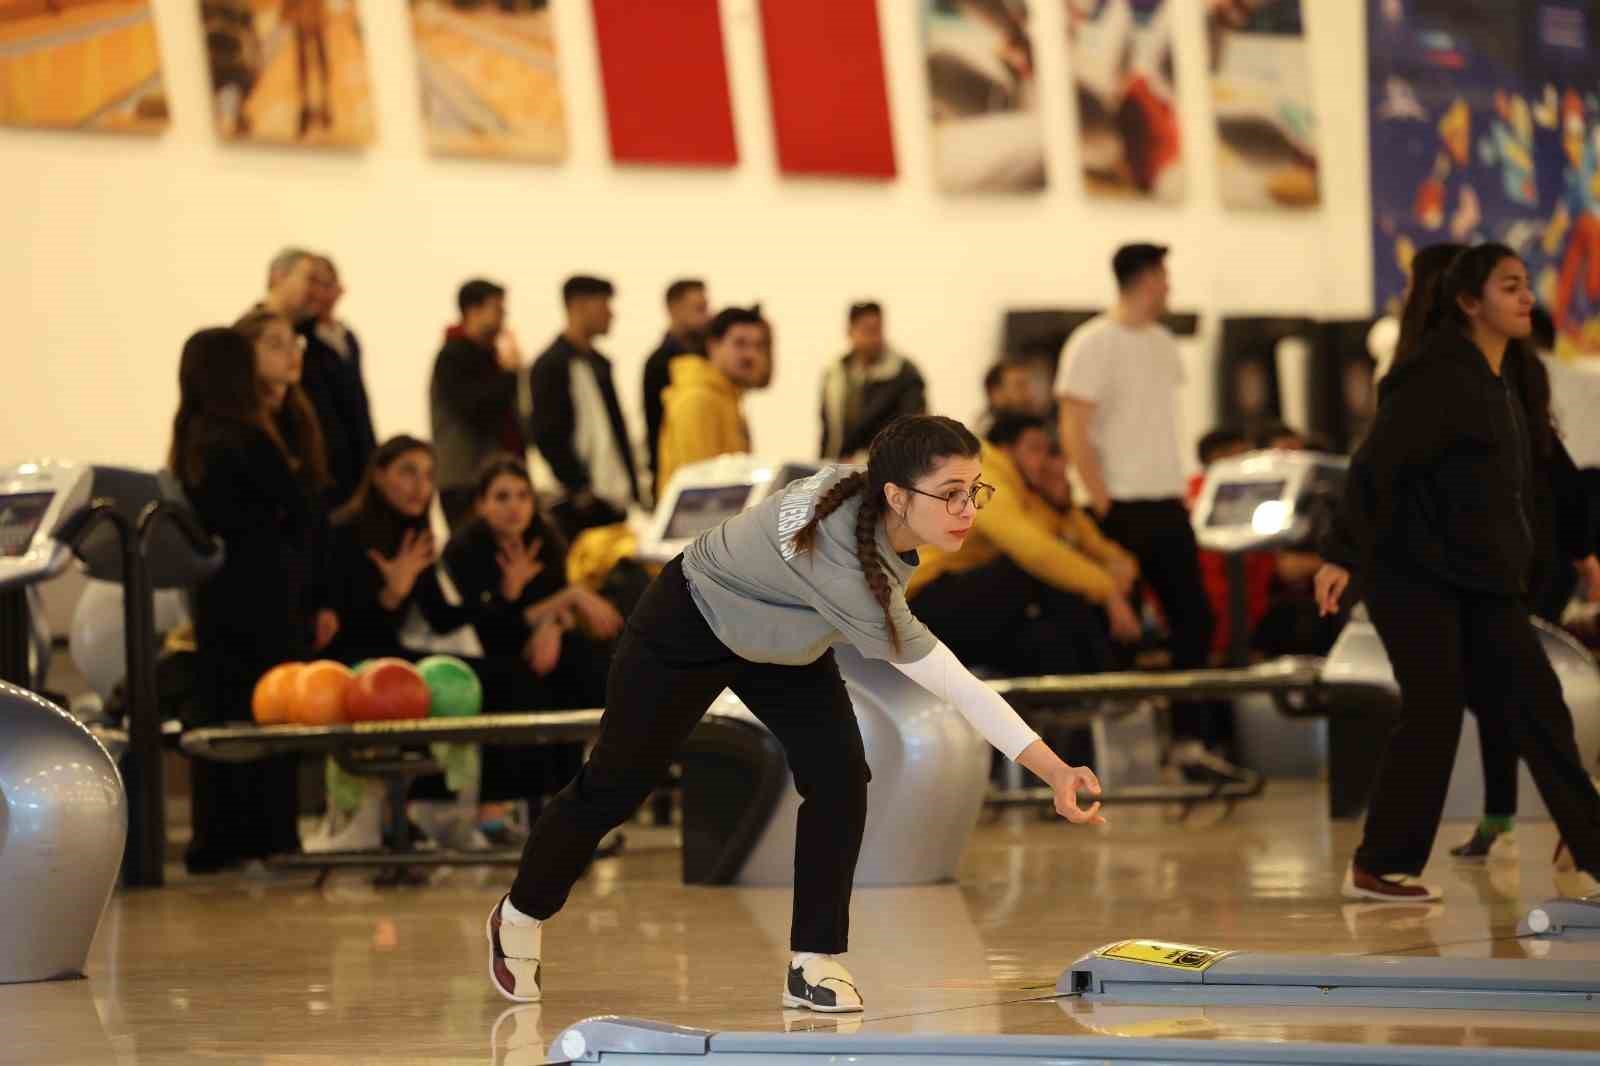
(1486, 844)
(821, 984)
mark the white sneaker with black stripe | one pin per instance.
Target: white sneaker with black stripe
(514, 952)
(820, 983)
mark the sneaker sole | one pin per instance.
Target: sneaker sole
(1352, 892)
(796, 1003)
(488, 932)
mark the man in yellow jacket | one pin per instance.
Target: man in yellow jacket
(700, 416)
(1036, 589)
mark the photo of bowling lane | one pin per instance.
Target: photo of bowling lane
(488, 79)
(288, 71)
(81, 64)
(272, 966)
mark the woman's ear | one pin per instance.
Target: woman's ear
(894, 497)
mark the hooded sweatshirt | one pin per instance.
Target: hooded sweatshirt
(700, 417)
(1441, 485)
(473, 403)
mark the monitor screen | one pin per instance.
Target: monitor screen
(1235, 502)
(20, 516)
(700, 509)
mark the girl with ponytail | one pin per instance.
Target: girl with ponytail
(756, 605)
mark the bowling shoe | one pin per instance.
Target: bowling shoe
(514, 951)
(820, 983)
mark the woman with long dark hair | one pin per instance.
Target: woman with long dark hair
(246, 450)
(756, 605)
(1435, 520)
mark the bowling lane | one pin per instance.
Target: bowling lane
(232, 967)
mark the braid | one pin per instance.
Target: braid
(828, 503)
(872, 563)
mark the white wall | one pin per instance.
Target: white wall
(116, 248)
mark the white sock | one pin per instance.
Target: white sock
(803, 957)
(511, 916)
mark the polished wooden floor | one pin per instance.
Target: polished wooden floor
(235, 970)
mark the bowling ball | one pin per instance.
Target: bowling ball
(273, 699)
(319, 693)
(388, 689)
(455, 689)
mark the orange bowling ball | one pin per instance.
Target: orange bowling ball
(320, 690)
(273, 699)
(386, 690)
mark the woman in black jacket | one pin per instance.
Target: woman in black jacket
(1435, 519)
(246, 448)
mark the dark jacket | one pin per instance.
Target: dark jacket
(1442, 484)
(334, 385)
(1563, 521)
(657, 376)
(260, 608)
(893, 387)
(555, 417)
(354, 583)
(471, 560)
(472, 401)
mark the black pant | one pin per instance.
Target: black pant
(1496, 748)
(1158, 533)
(1451, 648)
(1001, 617)
(668, 668)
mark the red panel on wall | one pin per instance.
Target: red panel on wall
(666, 82)
(830, 107)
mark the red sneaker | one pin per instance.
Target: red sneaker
(1389, 888)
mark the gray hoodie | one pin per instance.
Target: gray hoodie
(770, 603)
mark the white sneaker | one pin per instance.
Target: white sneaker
(820, 983)
(448, 824)
(359, 830)
(514, 952)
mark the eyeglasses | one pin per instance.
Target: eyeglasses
(956, 500)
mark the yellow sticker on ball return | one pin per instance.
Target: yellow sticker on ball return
(1159, 953)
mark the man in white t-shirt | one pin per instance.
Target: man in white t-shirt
(1118, 384)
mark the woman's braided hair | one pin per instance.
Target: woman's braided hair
(903, 452)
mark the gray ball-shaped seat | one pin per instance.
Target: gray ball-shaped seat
(63, 824)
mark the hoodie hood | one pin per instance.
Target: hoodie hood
(1441, 344)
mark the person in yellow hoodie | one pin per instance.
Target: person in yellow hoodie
(700, 415)
(1036, 588)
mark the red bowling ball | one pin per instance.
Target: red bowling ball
(387, 690)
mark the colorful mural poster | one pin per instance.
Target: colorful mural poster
(1124, 81)
(984, 97)
(1261, 93)
(81, 65)
(1485, 125)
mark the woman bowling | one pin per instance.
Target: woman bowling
(755, 605)
(1435, 520)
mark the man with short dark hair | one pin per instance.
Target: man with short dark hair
(473, 397)
(687, 312)
(577, 422)
(332, 379)
(1118, 383)
(701, 416)
(1036, 589)
(868, 388)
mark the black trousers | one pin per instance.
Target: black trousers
(668, 668)
(1495, 746)
(1001, 617)
(1451, 649)
(1158, 533)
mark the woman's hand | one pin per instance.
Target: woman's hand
(543, 651)
(519, 564)
(598, 616)
(327, 629)
(401, 571)
(1124, 570)
(1125, 625)
(1066, 783)
(1329, 584)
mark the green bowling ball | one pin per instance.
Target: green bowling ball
(454, 689)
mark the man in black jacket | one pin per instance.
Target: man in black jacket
(332, 379)
(868, 388)
(688, 311)
(473, 397)
(577, 422)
